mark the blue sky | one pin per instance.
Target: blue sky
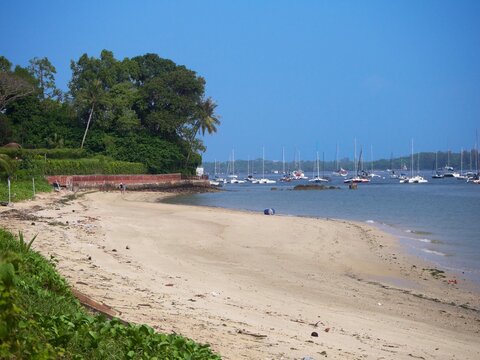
(300, 75)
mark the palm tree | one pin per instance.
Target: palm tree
(206, 121)
(91, 96)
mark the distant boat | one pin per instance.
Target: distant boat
(417, 179)
(437, 174)
(448, 170)
(233, 178)
(340, 171)
(263, 180)
(361, 176)
(318, 178)
(461, 176)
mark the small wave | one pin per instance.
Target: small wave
(434, 252)
(425, 240)
(417, 232)
(370, 222)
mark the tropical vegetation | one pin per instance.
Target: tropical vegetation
(144, 109)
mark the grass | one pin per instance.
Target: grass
(22, 189)
(41, 319)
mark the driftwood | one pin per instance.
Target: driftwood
(94, 305)
(245, 332)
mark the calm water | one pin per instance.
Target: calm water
(438, 221)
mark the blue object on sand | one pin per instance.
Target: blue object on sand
(269, 211)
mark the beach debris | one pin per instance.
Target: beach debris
(114, 250)
(327, 329)
(145, 305)
(89, 257)
(169, 284)
(32, 223)
(379, 304)
(245, 332)
(269, 211)
(308, 358)
(452, 281)
(127, 247)
(213, 293)
(324, 353)
(94, 305)
(314, 334)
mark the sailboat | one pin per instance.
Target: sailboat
(461, 176)
(340, 171)
(317, 178)
(372, 174)
(263, 180)
(233, 178)
(449, 172)
(417, 179)
(217, 181)
(437, 174)
(357, 178)
(298, 173)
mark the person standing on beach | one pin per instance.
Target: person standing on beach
(122, 188)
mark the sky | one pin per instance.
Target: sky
(295, 76)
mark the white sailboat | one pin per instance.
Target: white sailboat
(318, 178)
(233, 178)
(417, 179)
(461, 176)
(263, 180)
(339, 170)
(449, 171)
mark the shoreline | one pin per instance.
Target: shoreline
(224, 276)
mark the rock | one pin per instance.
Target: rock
(314, 334)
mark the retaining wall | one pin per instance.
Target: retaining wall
(113, 181)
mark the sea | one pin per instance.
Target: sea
(438, 221)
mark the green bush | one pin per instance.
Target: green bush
(41, 319)
(99, 165)
(62, 153)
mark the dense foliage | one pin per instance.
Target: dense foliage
(145, 109)
(41, 319)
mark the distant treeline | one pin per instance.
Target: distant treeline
(423, 160)
(144, 109)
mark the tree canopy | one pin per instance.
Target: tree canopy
(145, 109)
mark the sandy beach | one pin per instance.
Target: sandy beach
(253, 286)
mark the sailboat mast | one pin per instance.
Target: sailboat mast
(371, 155)
(323, 164)
(461, 161)
(263, 162)
(411, 166)
(336, 159)
(355, 157)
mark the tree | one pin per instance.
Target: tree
(90, 96)
(44, 72)
(5, 64)
(12, 88)
(206, 120)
